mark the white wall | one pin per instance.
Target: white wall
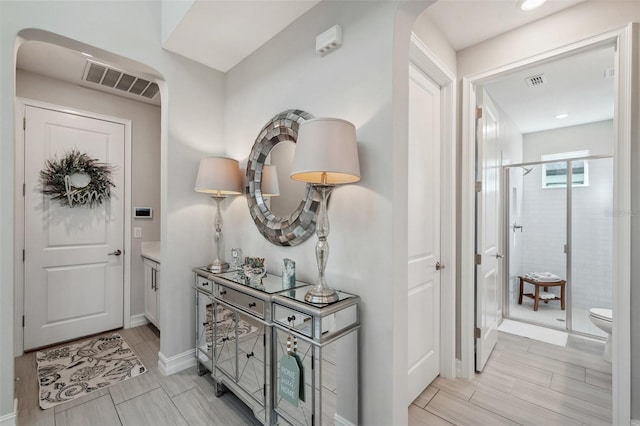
(191, 127)
(353, 83)
(429, 34)
(145, 154)
(571, 25)
(595, 137)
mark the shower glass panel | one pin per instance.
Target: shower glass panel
(536, 237)
(592, 245)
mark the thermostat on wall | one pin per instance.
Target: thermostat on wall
(143, 212)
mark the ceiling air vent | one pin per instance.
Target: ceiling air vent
(113, 78)
(536, 80)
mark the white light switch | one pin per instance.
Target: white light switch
(137, 232)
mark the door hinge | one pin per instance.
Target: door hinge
(23, 255)
(264, 340)
(478, 186)
(478, 259)
(477, 332)
(23, 321)
(24, 189)
(478, 113)
(24, 123)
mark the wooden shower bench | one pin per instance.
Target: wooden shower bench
(536, 294)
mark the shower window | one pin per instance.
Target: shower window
(554, 175)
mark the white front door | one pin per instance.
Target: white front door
(489, 269)
(73, 280)
(424, 233)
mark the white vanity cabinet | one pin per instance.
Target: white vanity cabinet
(151, 291)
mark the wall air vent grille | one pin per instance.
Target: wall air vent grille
(116, 79)
(536, 80)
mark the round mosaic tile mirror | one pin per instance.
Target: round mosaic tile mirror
(300, 224)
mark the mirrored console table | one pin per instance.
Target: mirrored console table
(242, 332)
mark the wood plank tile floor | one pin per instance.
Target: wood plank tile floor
(150, 399)
(525, 382)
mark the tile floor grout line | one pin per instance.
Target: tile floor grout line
(114, 407)
(440, 417)
(553, 410)
(539, 407)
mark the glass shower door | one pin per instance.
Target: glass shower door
(536, 236)
(592, 244)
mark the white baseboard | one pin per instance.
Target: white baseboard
(171, 365)
(458, 368)
(341, 421)
(10, 419)
(635, 422)
(137, 320)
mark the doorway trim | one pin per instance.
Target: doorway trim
(430, 65)
(622, 39)
(19, 243)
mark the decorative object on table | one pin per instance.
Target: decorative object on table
(291, 374)
(77, 180)
(326, 155)
(254, 270)
(295, 228)
(236, 258)
(288, 273)
(219, 177)
(74, 370)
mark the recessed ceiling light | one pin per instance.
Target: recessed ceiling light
(88, 55)
(563, 115)
(530, 4)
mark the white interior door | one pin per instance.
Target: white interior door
(424, 233)
(489, 269)
(73, 286)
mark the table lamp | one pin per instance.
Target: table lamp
(326, 155)
(270, 187)
(219, 177)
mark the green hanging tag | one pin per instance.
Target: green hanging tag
(289, 379)
(301, 384)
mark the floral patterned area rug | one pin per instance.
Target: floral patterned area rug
(71, 371)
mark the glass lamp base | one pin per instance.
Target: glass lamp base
(218, 266)
(321, 295)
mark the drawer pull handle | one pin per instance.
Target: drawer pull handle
(250, 355)
(224, 339)
(223, 292)
(204, 284)
(252, 304)
(292, 318)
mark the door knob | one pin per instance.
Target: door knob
(499, 256)
(440, 266)
(115, 253)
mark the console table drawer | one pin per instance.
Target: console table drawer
(295, 320)
(241, 300)
(204, 284)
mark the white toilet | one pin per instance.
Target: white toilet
(603, 319)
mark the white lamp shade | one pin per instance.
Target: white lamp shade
(326, 148)
(219, 176)
(270, 187)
